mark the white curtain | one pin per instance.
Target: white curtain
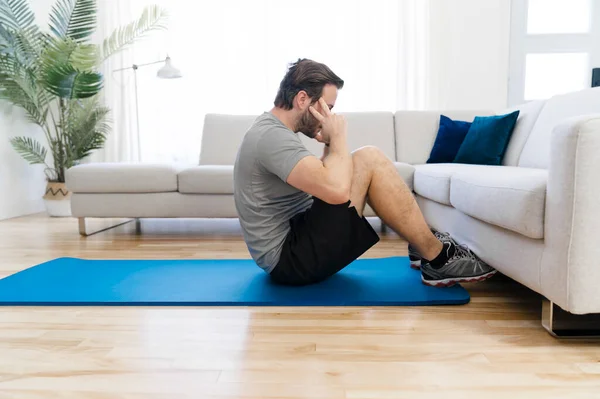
(233, 54)
(119, 88)
(413, 91)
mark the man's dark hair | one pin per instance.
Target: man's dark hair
(307, 75)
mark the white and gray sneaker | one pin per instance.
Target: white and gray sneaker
(414, 255)
(462, 266)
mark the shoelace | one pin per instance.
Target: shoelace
(462, 251)
(439, 234)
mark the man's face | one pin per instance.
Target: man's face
(308, 124)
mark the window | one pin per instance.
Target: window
(541, 71)
(554, 46)
(558, 16)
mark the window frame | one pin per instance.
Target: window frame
(522, 44)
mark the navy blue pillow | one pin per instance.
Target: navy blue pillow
(450, 136)
(487, 139)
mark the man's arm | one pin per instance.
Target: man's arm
(338, 162)
(330, 179)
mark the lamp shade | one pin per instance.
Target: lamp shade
(168, 71)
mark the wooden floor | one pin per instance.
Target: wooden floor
(492, 348)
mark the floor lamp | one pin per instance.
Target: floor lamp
(167, 71)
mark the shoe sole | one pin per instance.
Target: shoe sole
(415, 264)
(449, 282)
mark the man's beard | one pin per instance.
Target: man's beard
(308, 125)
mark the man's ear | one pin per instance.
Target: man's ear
(302, 100)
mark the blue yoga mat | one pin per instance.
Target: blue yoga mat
(79, 282)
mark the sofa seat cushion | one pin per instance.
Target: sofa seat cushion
(432, 181)
(206, 179)
(122, 178)
(509, 197)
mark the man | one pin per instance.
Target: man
(302, 217)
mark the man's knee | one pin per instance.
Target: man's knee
(368, 155)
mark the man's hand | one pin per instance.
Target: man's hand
(319, 137)
(330, 179)
(332, 125)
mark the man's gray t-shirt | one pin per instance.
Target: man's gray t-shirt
(264, 201)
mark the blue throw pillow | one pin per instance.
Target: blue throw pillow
(487, 140)
(450, 136)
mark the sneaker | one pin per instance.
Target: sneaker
(415, 256)
(463, 267)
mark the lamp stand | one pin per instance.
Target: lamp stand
(137, 114)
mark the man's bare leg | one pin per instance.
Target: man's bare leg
(376, 180)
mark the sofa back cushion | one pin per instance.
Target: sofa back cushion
(221, 137)
(364, 128)
(487, 140)
(536, 152)
(416, 132)
(223, 134)
(528, 115)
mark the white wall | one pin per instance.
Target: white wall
(469, 58)
(21, 185)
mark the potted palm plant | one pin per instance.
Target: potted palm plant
(54, 77)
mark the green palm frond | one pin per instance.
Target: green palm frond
(32, 112)
(12, 72)
(31, 150)
(18, 85)
(7, 41)
(59, 157)
(87, 127)
(85, 114)
(17, 15)
(83, 57)
(28, 47)
(9, 46)
(153, 18)
(66, 82)
(74, 19)
(23, 45)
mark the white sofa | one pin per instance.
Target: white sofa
(534, 218)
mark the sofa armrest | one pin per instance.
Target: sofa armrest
(570, 268)
(122, 177)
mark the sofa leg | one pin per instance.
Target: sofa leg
(384, 227)
(83, 229)
(562, 324)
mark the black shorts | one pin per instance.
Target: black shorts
(322, 241)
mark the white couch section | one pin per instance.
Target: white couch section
(534, 218)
